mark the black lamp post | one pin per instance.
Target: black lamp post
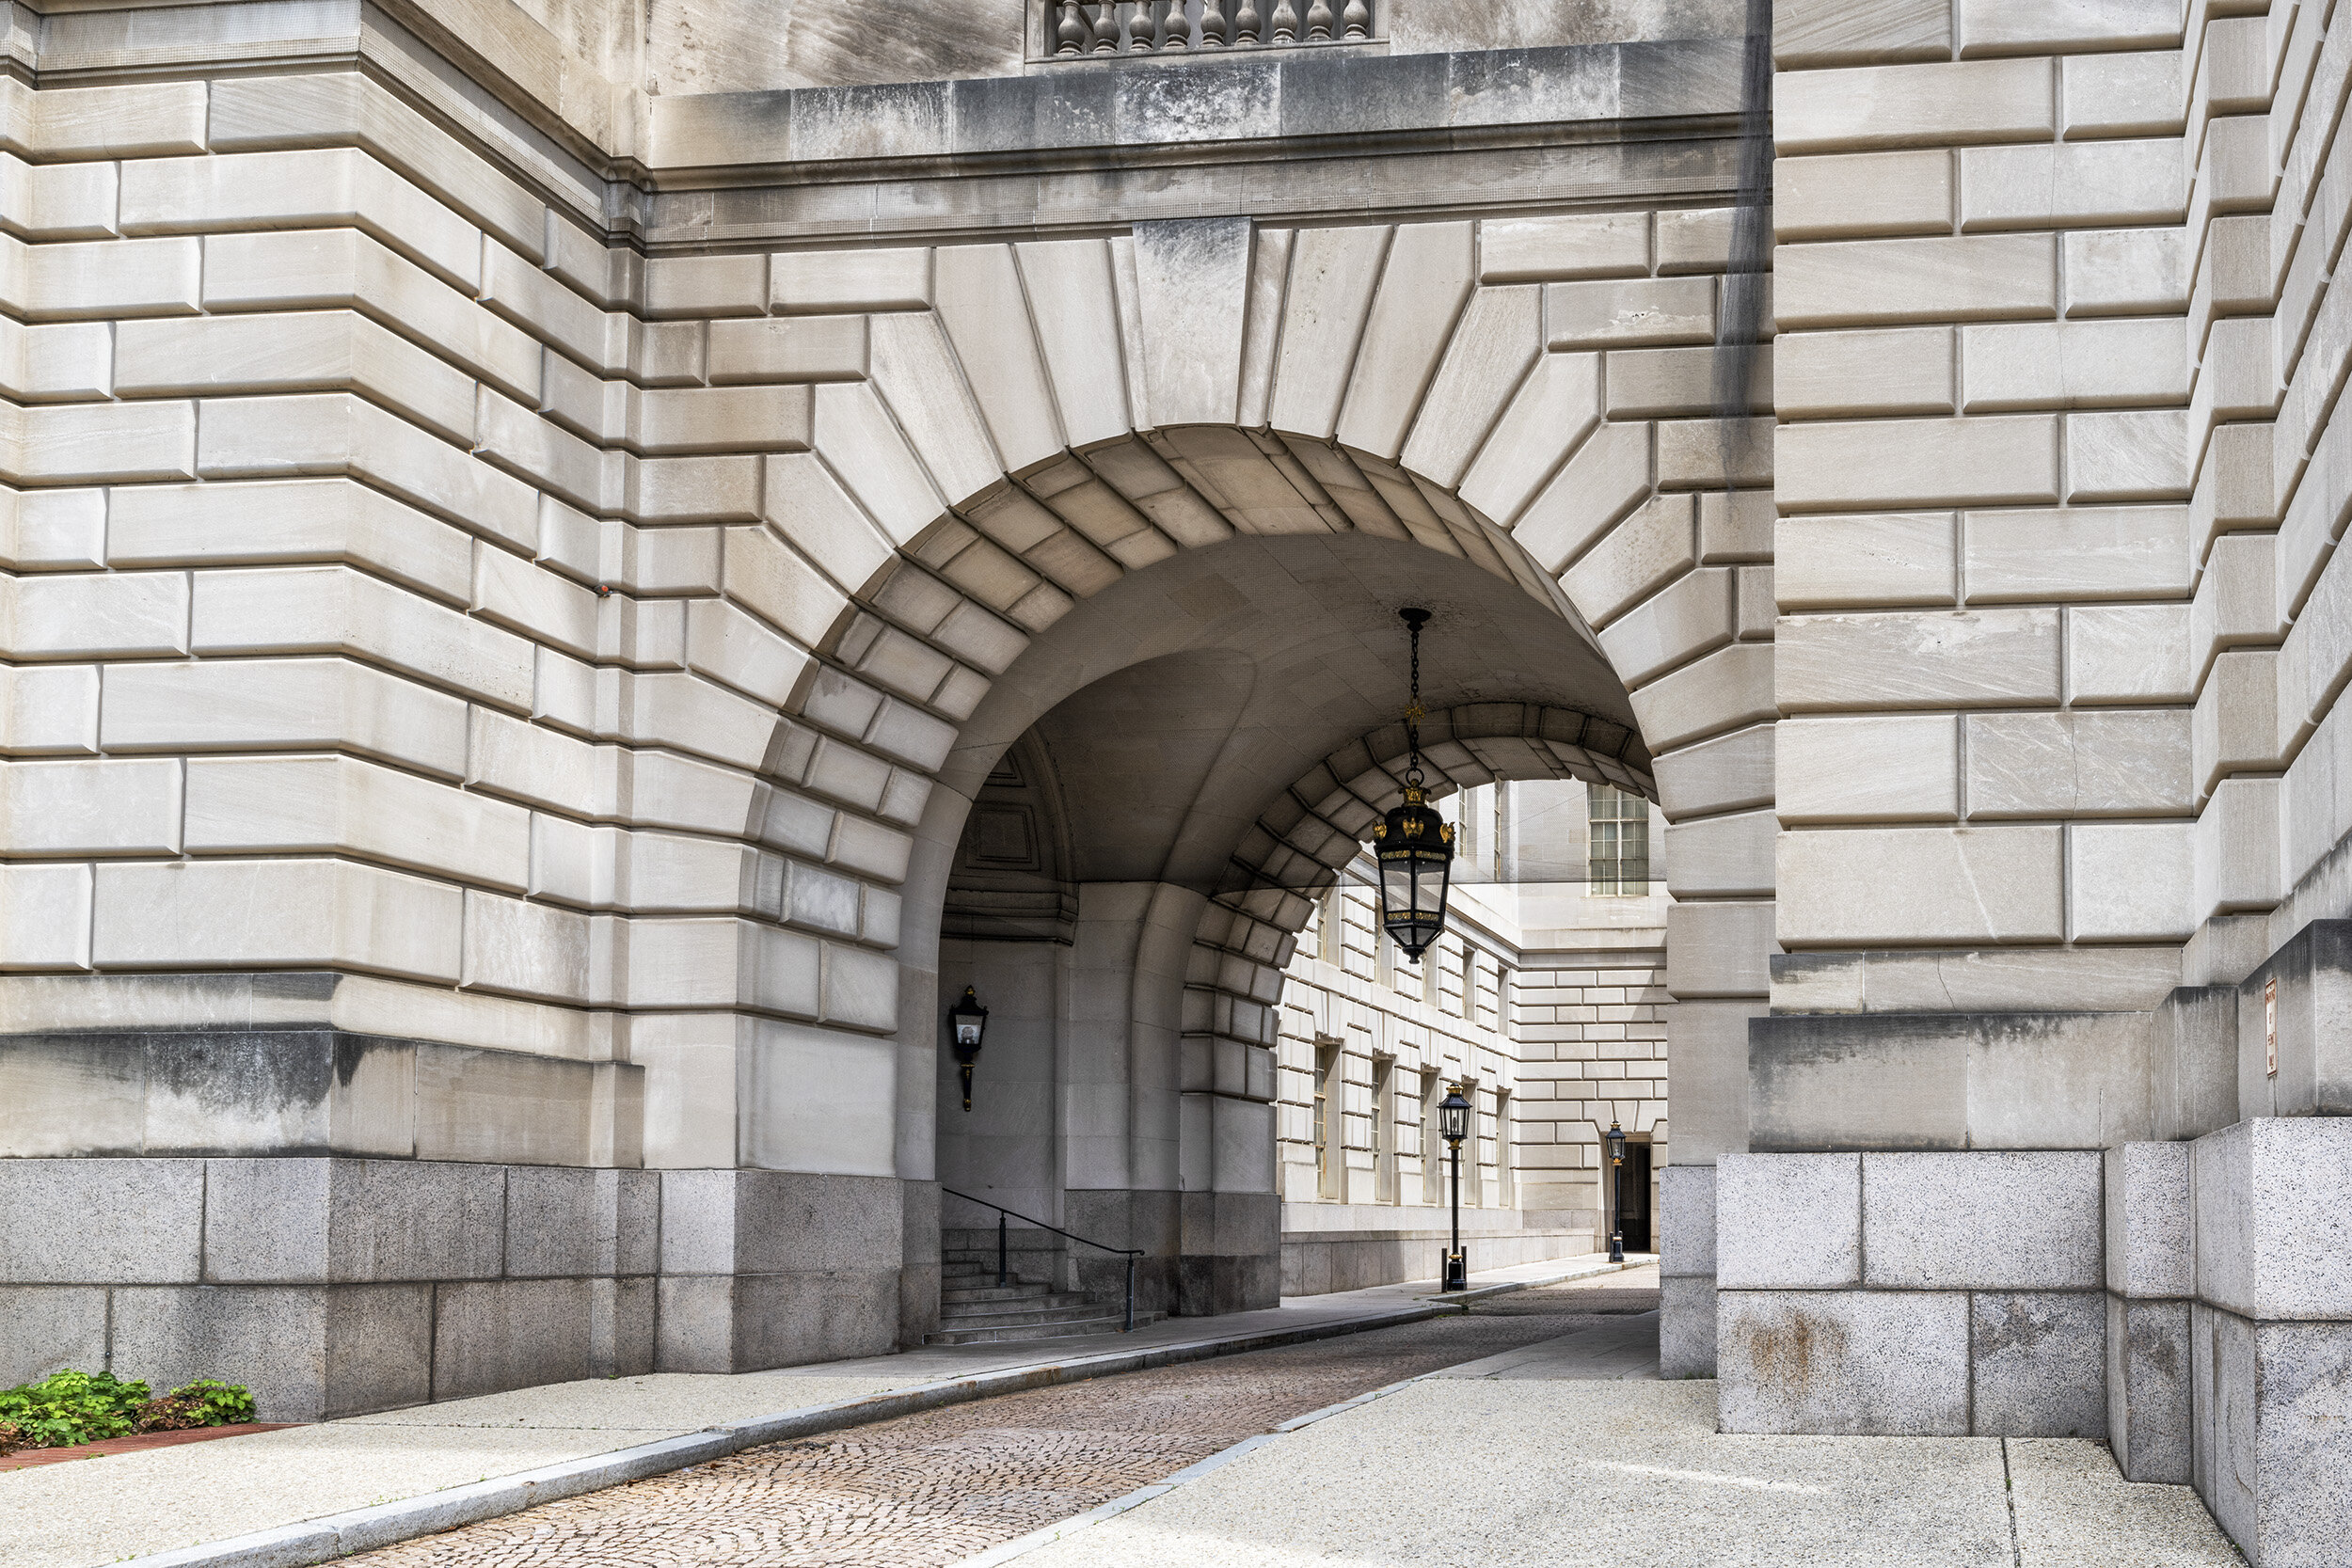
(1614, 1138)
(967, 1021)
(1454, 1123)
(1413, 845)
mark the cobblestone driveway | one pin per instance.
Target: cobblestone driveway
(931, 1489)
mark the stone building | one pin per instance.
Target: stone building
(1545, 1000)
(574, 569)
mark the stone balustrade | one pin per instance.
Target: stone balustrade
(1074, 27)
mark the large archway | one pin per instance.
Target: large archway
(1195, 752)
(1072, 417)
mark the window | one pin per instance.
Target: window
(1506, 1183)
(1329, 925)
(1432, 1146)
(1328, 1160)
(1384, 1130)
(1620, 841)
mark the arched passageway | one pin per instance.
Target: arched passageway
(1136, 854)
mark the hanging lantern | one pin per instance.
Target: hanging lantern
(1413, 845)
(967, 1021)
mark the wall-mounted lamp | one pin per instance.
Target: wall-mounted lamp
(967, 1021)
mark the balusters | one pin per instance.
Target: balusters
(1076, 27)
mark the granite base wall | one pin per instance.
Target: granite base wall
(336, 1286)
(1318, 1262)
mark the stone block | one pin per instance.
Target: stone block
(2057, 26)
(324, 804)
(1896, 885)
(1894, 769)
(1843, 1363)
(1865, 282)
(2274, 1226)
(1575, 244)
(2082, 364)
(1867, 193)
(2149, 1420)
(1814, 33)
(789, 349)
(2122, 95)
(1902, 370)
(560, 1222)
(621, 1328)
(119, 615)
(2072, 185)
(287, 912)
(1849, 465)
(97, 1222)
(2271, 1446)
(1423, 286)
(2149, 1234)
(1718, 949)
(2130, 882)
(1686, 1223)
(1788, 1221)
(266, 1221)
(2128, 653)
(1922, 104)
(1879, 561)
(308, 1353)
(1983, 1219)
(829, 282)
(2100, 553)
(274, 703)
(90, 808)
(507, 1334)
(49, 709)
(2125, 272)
(2038, 1364)
(47, 1328)
(398, 1219)
(2138, 456)
(1686, 1326)
(475, 1104)
(1634, 312)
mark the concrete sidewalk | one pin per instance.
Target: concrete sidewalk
(1567, 1454)
(309, 1494)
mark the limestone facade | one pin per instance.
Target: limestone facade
(1557, 1031)
(546, 548)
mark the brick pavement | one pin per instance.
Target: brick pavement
(932, 1489)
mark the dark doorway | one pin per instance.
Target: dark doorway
(1633, 1198)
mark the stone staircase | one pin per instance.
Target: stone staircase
(974, 1309)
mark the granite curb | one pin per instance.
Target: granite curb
(336, 1535)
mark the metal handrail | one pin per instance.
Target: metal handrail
(1131, 1254)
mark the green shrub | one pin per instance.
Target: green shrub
(206, 1402)
(68, 1407)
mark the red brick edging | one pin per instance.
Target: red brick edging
(26, 1459)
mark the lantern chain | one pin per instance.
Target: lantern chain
(1413, 715)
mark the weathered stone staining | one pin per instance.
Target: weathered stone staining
(566, 577)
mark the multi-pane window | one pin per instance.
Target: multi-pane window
(1330, 926)
(1620, 840)
(1326, 1120)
